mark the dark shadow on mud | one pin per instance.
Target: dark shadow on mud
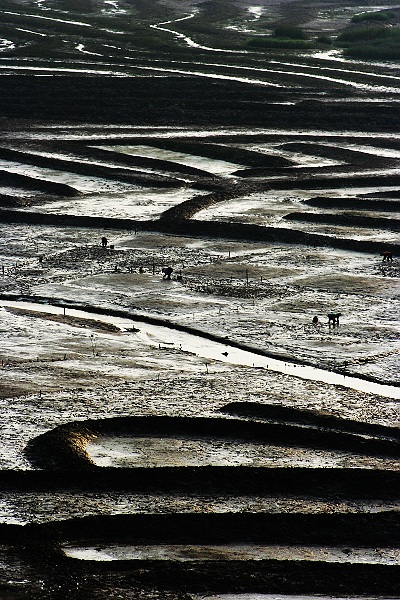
(328, 484)
(363, 530)
(42, 546)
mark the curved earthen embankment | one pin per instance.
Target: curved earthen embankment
(64, 446)
(187, 209)
(310, 418)
(357, 203)
(345, 219)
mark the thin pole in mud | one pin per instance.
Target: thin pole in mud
(206, 365)
(154, 267)
(247, 277)
(229, 254)
(64, 311)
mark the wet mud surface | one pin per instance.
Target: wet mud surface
(133, 466)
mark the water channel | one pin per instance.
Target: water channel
(200, 345)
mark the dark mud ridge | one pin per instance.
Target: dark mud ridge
(333, 484)
(345, 219)
(195, 228)
(310, 418)
(65, 446)
(355, 204)
(364, 530)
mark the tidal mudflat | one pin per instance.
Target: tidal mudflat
(227, 430)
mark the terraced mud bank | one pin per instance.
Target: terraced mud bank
(199, 300)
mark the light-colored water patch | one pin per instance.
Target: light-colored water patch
(6, 44)
(302, 160)
(32, 32)
(155, 335)
(112, 7)
(8, 12)
(197, 552)
(208, 75)
(217, 167)
(31, 67)
(82, 183)
(256, 11)
(139, 203)
(374, 150)
(185, 451)
(81, 48)
(187, 40)
(337, 70)
(103, 163)
(337, 55)
(92, 131)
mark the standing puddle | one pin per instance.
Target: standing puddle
(185, 451)
(158, 335)
(197, 552)
(217, 167)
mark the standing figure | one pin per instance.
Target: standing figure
(167, 272)
(387, 256)
(104, 242)
(333, 319)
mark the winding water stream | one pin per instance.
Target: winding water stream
(156, 335)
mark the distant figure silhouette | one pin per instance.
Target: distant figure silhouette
(387, 256)
(104, 242)
(167, 272)
(334, 318)
(315, 320)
